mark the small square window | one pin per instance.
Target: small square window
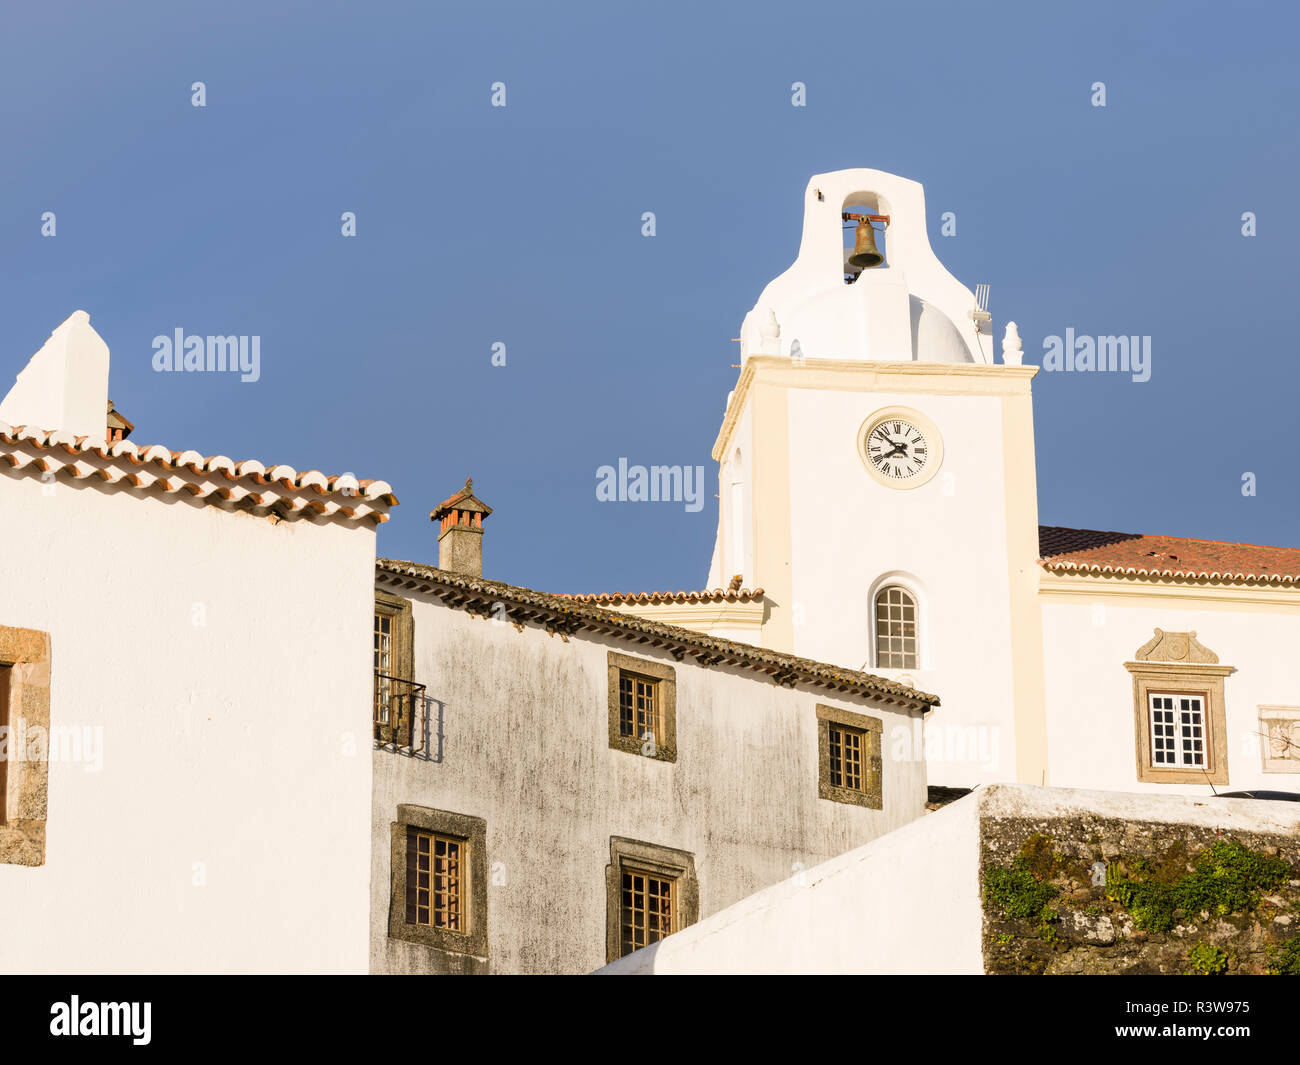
(439, 880)
(650, 892)
(848, 758)
(435, 880)
(647, 911)
(642, 707)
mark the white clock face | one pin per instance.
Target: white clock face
(897, 449)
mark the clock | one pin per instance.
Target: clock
(900, 447)
(897, 448)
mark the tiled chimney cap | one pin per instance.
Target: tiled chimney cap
(460, 532)
(462, 500)
(463, 510)
(119, 425)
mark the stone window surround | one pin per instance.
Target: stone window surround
(872, 764)
(1176, 663)
(403, 642)
(4, 737)
(630, 855)
(473, 830)
(666, 690)
(26, 652)
(1289, 763)
(399, 609)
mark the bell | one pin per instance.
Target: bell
(864, 253)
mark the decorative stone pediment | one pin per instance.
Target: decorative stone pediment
(1180, 647)
(1177, 664)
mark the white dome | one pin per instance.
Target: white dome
(935, 336)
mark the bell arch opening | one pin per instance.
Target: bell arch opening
(864, 237)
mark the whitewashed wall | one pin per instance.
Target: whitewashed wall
(1090, 694)
(735, 547)
(909, 903)
(946, 540)
(905, 904)
(235, 751)
(525, 746)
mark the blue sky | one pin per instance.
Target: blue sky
(523, 225)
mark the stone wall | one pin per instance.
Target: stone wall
(1096, 883)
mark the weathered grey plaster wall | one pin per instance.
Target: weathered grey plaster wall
(521, 739)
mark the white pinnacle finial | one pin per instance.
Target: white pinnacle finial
(1011, 346)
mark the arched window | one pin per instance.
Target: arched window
(895, 629)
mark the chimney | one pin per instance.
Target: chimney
(65, 384)
(460, 532)
(119, 425)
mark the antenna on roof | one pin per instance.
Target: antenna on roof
(980, 314)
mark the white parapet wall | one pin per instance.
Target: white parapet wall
(905, 903)
(910, 902)
(1024, 801)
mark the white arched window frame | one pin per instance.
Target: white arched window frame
(897, 623)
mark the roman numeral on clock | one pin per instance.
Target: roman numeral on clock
(896, 449)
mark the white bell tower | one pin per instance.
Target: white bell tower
(876, 478)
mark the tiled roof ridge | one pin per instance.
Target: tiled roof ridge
(248, 484)
(1162, 536)
(1065, 549)
(704, 595)
(571, 614)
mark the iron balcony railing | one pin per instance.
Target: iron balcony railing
(399, 713)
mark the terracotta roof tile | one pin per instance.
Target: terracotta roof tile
(1136, 554)
(246, 485)
(462, 500)
(566, 613)
(708, 595)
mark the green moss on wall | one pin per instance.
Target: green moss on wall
(1016, 891)
(1226, 878)
(1286, 962)
(1137, 898)
(1207, 960)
